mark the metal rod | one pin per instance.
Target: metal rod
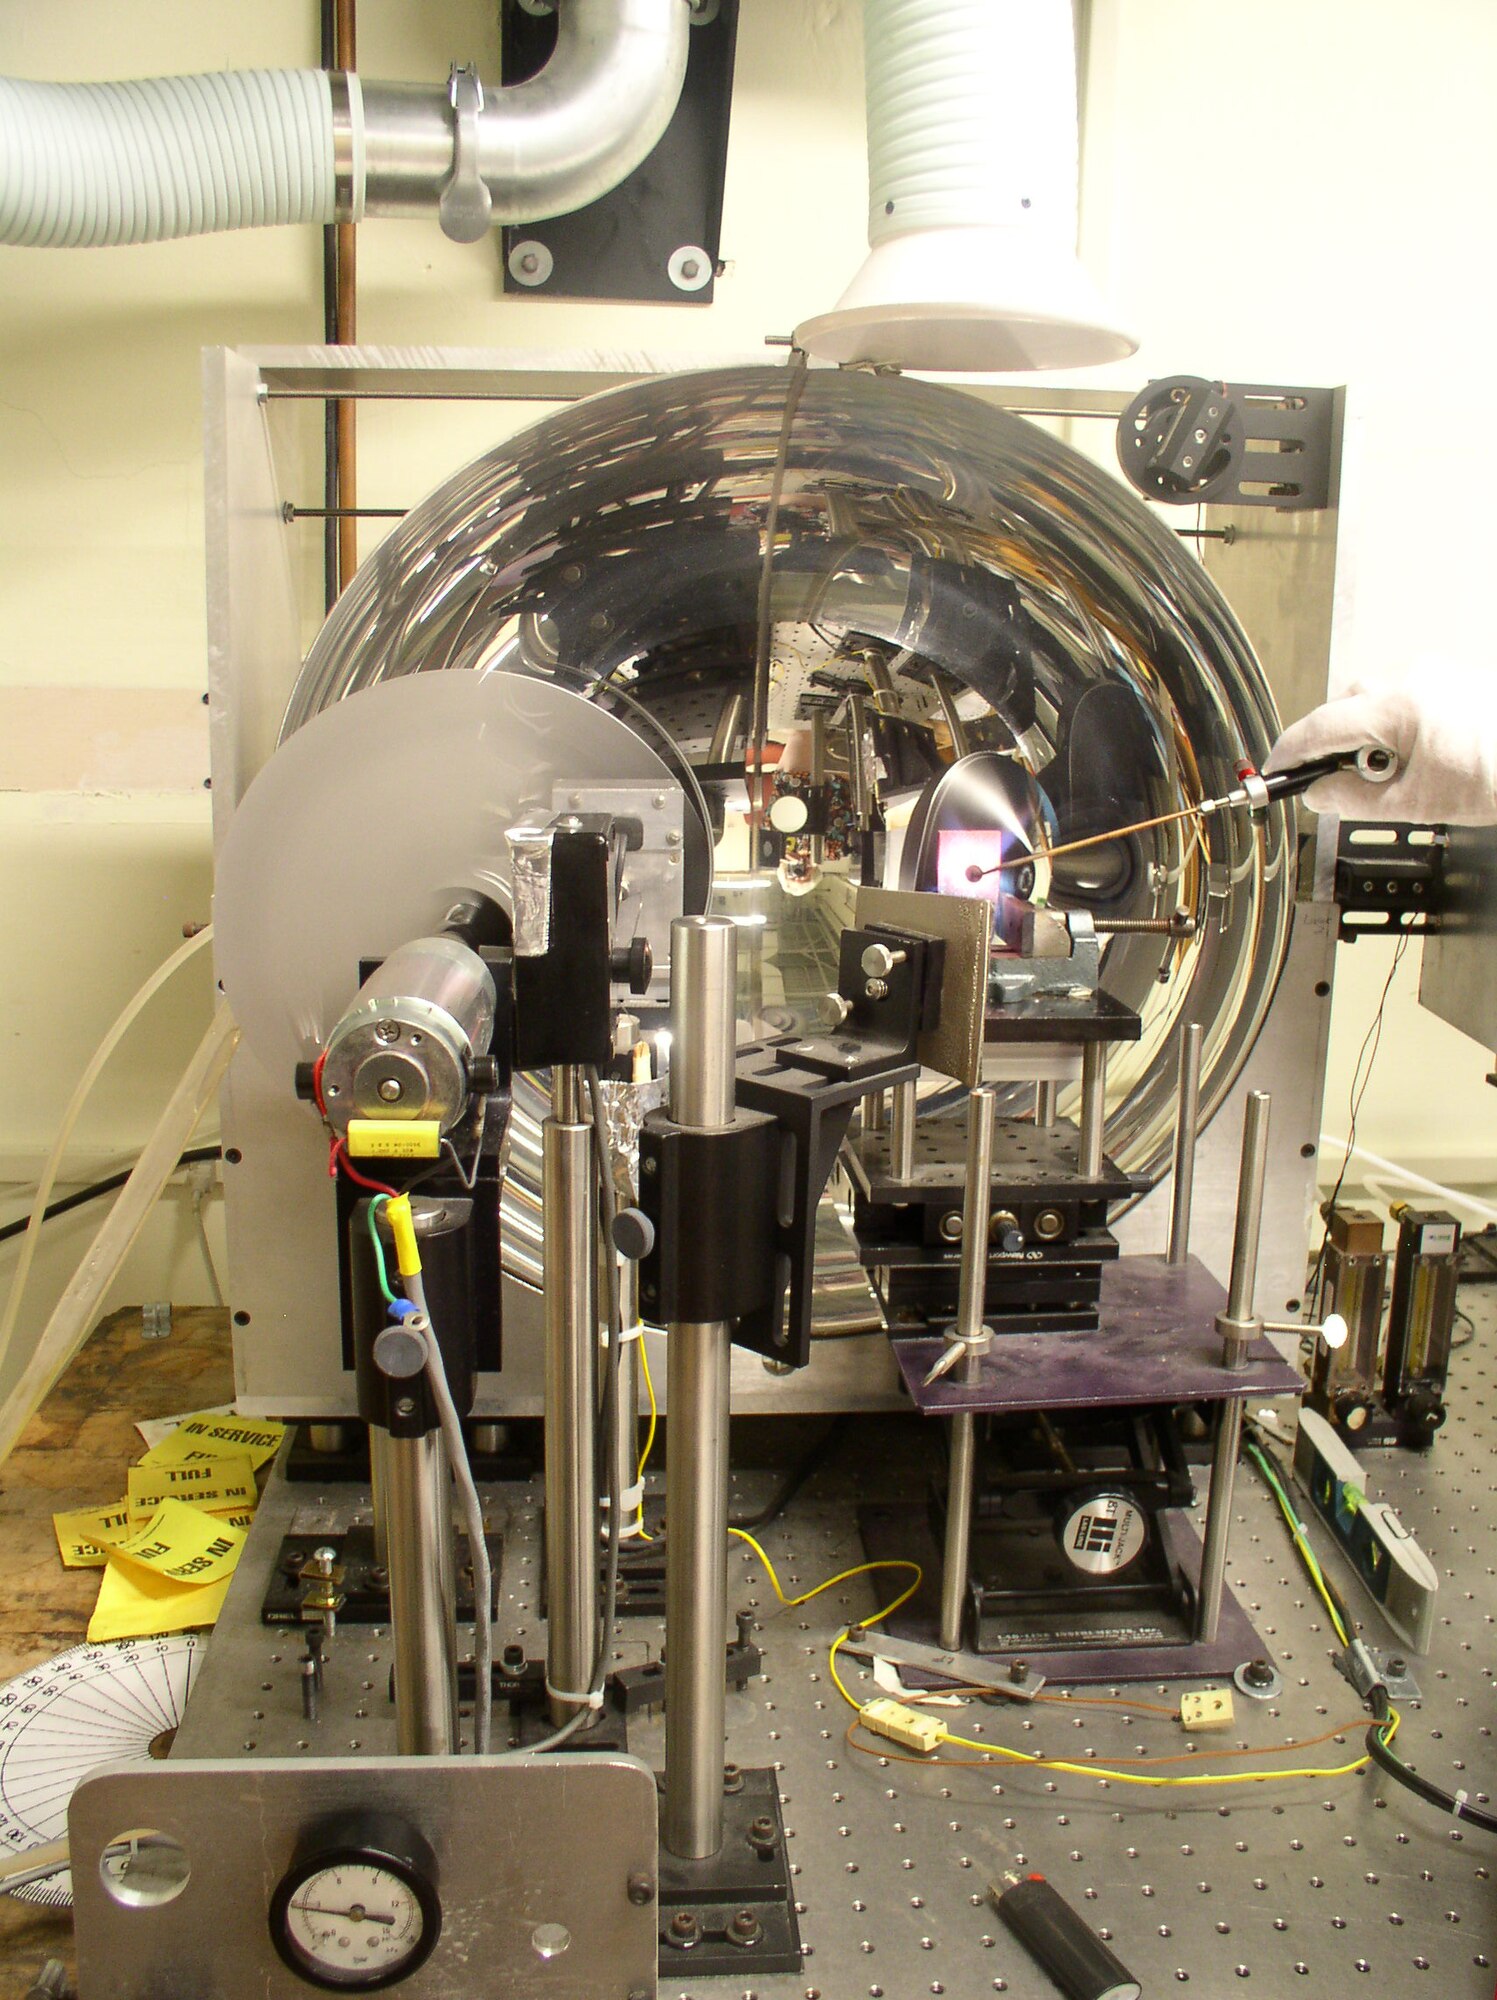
(977, 1203)
(817, 844)
(379, 1479)
(626, 1431)
(571, 1398)
(857, 764)
(291, 512)
(1243, 1281)
(977, 1208)
(1093, 1108)
(418, 1509)
(1046, 1099)
(1187, 1117)
(875, 1111)
(703, 978)
(902, 1135)
(1218, 1519)
(728, 728)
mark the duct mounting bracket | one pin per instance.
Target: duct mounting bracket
(465, 210)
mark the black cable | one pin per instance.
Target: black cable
(66, 1203)
(1434, 1795)
(796, 1478)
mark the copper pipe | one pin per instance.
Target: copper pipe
(345, 329)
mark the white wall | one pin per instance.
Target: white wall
(1275, 191)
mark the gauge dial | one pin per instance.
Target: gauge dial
(358, 1909)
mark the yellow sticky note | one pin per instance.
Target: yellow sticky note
(213, 1483)
(182, 1543)
(135, 1604)
(209, 1436)
(81, 1534)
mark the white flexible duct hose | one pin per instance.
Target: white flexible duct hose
(73, 1317)
(972, 195)
(88, 164)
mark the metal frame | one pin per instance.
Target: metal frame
(1277, 570)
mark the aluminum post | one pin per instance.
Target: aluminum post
(571, 1333)
(902, 1132)
(977, 1203)
(703, 1046)
(1046, 1096)
(1093, 1108)
(1187, 1116)
(418, 1511)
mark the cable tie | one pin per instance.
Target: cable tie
(629, 1499)
(1458, 1805)
(635, 1332)
(587, 1699)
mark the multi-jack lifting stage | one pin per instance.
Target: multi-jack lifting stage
(759, 913)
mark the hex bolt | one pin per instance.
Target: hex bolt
(1258, 1674)
(1018, 1672)
(743, 1928)
(877, 989)
(1397, 1664)
(732, 1778)
(641, 1888)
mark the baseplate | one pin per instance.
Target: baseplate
(1338, 1886)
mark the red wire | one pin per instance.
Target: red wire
(339, 1158)
(317, 1097)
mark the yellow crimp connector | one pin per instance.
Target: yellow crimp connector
(403, 1229)
(394, 1138)
(1206, 1708)
(904, 1726)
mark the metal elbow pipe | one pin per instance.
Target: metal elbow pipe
(541, 148)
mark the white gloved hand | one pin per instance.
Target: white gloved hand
(1440, 722)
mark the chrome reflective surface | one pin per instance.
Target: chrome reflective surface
(1035, 659)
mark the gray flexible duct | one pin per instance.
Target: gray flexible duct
(84, 165)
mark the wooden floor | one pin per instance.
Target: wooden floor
(74, 1454)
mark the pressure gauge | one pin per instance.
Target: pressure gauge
(358, 1908)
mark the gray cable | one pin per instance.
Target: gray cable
(478, 1548)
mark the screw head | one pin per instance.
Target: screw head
(390, 1090)
(387, 1031)
(1258, 1673)
(640, 1888)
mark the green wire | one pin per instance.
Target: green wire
(372, 1218)
(1297, 1530)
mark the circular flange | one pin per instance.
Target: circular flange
(355, 835)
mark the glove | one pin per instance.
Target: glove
(1441, 723)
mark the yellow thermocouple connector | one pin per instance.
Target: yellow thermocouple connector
(905, 1726)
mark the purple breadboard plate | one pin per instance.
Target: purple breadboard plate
(1157, 1343)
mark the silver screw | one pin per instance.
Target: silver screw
(387, 1031)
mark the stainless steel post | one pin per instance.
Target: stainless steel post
(571, 1397)
(1218, 1518)
(1093, 1108)
(902, 1132)
(703, 977)
(626, 1435)
(1187, 1114)
(1046, 1097)
(1237, 1326)
(378, 1483)
(875, 1106)
(418, 1510)
(977, 1202)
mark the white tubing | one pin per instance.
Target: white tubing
(73, 1317)
(971, 116)
(1406, 1177)
(89, 164)
(76, 1102)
